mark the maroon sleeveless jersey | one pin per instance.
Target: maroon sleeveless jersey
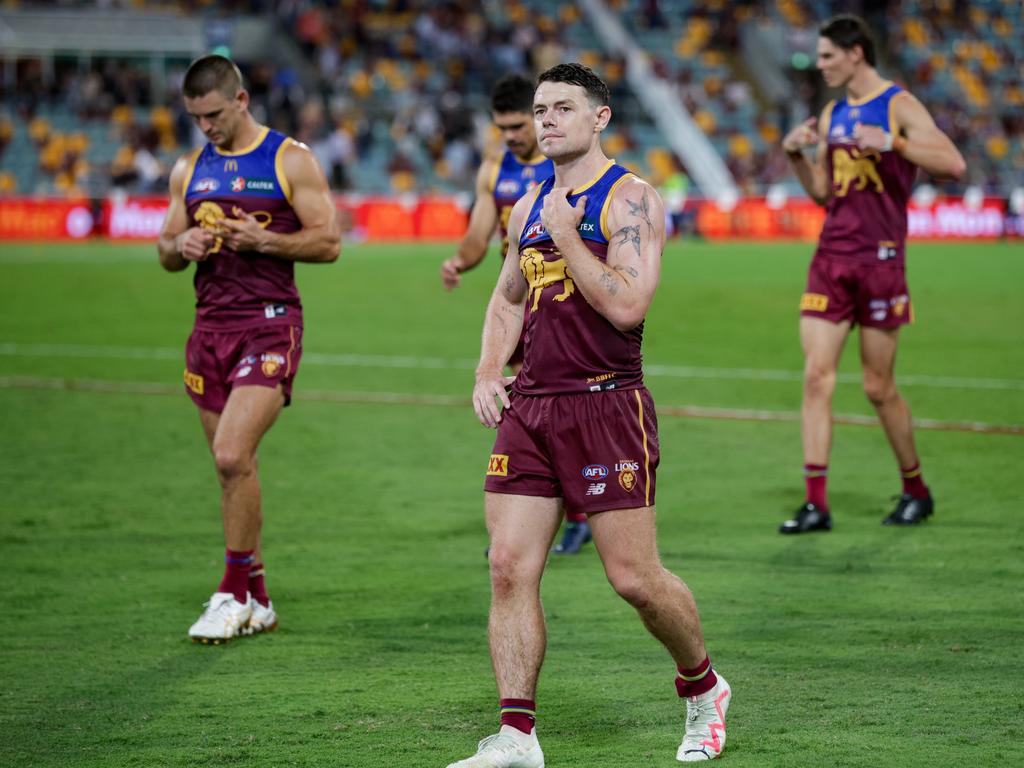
(866, 217)
(569, 346)
(243, 290)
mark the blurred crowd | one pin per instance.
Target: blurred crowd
(392, 95)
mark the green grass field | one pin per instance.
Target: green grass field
(865, 647)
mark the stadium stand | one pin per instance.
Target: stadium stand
(392, 95)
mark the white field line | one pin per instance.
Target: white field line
(344, 360)
(398, 398)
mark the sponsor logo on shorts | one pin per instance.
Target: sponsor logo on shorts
(900, 304)
(498, 465)
(274, 310)
(194, 382)
(814, 302)
(879, 309)
(270, 363)
(886, 250)
(627, 469)
(595, 471)
(595, 489)
(244, 371)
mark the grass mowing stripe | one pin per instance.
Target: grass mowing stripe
(16, 349)
(403, 398)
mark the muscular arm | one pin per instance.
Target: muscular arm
(179, 243)
(812, 174)
(922, 143)
(621, 288)
(503, 324)
(319, 240)
(482, 221)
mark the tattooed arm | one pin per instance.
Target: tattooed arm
(503, 324)
(622, 287)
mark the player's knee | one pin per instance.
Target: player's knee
(879, 389)
(231, 463)
(631, 585)
(819, 381)
(509, 573)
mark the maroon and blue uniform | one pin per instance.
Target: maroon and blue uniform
(582, 424)
(512, 179)
(248, 326)
(858, 271)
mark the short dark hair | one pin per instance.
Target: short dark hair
(848, 31)
(513, 93)
(211, 73)
(578, 74)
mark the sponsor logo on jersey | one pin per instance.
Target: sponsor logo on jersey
(508, 188)
(498, 465)
(598, 471)
(535, 231)
(814, 302)
(595, 489)
(230, 166)
(194, 382)
(242, 184)
(206, 184)
(586, 226)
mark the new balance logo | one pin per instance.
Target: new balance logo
(595, 489)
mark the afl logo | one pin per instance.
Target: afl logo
(595, 471)
(508, 188)
(206, 185)
(534, 231)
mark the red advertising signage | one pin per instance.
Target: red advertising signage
(408, 217)
(32, 219)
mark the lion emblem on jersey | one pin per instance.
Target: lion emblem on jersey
(209, 216)
(540, 274)
(859, 170)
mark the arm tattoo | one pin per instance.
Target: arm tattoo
(641, 209)
(628, 270)
(630, 235)
(510, 285)
(610, 282)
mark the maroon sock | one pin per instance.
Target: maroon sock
(815, 477)
(258, 585)
(694, 682)
(576, 517)
(521, 714)
(913, 482)
(237, 565)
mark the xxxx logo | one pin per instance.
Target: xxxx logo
(498, 465)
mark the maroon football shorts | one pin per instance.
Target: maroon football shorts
(873, 295)
(216, 361)
(596, 450)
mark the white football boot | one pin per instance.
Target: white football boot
(704, 737)
(509, 748)
(262, 619)
(223, 619)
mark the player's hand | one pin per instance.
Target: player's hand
(803, 136)
(243, 233)
(487, 394)
(872, 137)
(194, 244)
(558, 217)
(450, 273)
